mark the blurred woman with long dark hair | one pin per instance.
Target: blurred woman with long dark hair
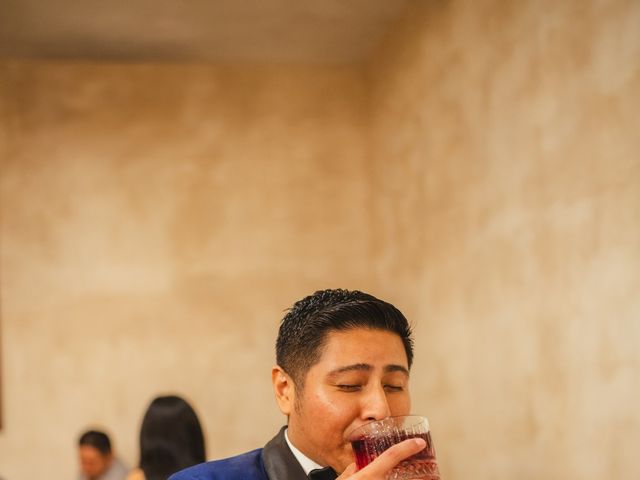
(170, 439)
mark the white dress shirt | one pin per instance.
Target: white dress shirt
(305, 462)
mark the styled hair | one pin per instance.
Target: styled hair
(96, 439)
(304, 329)
(170, 438)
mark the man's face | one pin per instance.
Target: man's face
(92, 462)
(362, 375)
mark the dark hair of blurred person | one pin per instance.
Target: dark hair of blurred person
(170, 439)
(97, 461)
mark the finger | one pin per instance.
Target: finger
(350, 470)
(390, 458)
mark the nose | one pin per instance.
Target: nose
(375, 405)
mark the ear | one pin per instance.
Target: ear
(284, 389)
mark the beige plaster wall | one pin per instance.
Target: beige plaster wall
(484, 175)
(156, 222)
(507, 172)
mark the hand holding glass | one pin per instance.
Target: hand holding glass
(373, 438)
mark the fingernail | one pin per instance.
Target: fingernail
(420, 442)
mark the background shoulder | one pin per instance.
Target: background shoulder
(135, 474)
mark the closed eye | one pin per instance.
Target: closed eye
(349, 388)
(393, 388)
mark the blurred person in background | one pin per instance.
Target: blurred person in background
(97, 460)
(170, 439)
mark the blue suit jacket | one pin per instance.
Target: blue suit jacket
(273, 462)
(248, 466)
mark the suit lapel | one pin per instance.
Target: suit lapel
(279, 461)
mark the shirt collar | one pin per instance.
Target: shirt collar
(305, 462)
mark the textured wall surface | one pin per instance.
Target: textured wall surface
(507, 160)
(156, 222)
(483, 174)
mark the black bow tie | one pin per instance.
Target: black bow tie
(326, 473)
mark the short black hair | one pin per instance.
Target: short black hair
(304, 328)
(171, 438)
(96, 439)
